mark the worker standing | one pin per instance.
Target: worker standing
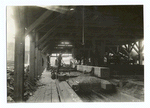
(59, 62)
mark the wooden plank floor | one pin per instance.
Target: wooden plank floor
(46, 93)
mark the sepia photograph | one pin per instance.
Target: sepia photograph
(75, 53)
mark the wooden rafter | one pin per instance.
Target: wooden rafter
(132, 46)
(136, 45)
(48, 46)
(65, 30)
(49, 22)
(49, 49)
(112, 51)
(129, 47)
(93, 24)
(45, 48)
(135, 49)
(38, 21)
(46, 41)
(124, 50)
(43, 44)
(56, 8)
(122, 55)
(46, 35)
(126, 47)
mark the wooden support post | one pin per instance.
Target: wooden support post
(41, 70)
(140, 53)
(93, 52)
(36, 63)
(45, 61)
(89, 57)
(36, 57)
(101, 51)
(142, 48)
(40, 64)
(19, 13)
(48, 62)
(118, 50)
(32, 58)
(73, 51)
(129, 48)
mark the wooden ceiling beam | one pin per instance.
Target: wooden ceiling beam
(59, 9)
(49, 22)
(47, 47)
(95, 24)
(136, 50)
(61, 30)
(112, 51)
(46, 35)
(124, 50)
(43, 50)
(38, 21)
(45, 41)
(132, 46)
(97, 38)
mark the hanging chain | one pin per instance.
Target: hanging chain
(83, 28)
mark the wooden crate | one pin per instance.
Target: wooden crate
(80, 68)
(106, 85)
(102, 72)
(87, 68)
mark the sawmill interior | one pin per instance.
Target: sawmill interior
(76, 54)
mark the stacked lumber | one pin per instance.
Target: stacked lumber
(80, 68)
(62, 76)
(74, 84)
(102, 72)
(87, 68)
(106, 85)
(66, 93)
(87, 83)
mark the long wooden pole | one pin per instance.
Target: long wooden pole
(39, 63)
(19, 13)
(36, 57)
(32, 59)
